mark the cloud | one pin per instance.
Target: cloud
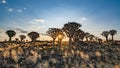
(37, 21)
(34, 28)
(10, 9)
(21, 30)
(16, 10)
(3, 1)
(83, 19)
(34, 23)
(24, 8)
(19, 10)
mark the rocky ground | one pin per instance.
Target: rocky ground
(83, 55)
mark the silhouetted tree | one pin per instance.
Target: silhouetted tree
(70, 28)
(33, 36)
(53, 33)
(82, 35)
(91, 37)
(10, 34)
(78, 35)
(96, 39)
(112, 33)
(87, 35)
(105, 34)
(100, 40)
(22, 37)
(16, 39)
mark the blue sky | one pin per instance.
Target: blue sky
(39, 15)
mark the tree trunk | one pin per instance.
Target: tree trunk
(21, 40)
(99, 42)
(10, 39)
(59, 43)
(10, 52)
(70, 43)
(86, 39)
(107, 39)
(112, 38)
(53, 42)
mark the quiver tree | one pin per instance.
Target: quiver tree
(87, 36)
(99, 40)
(16, 39)
(70, 28)
(91, 37)
(112, 33)
(53, 33)
(105, 34)
(33, 36)
(22, 37)
(78, 35)
(10, 34)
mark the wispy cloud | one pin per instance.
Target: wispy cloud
(83, 19)
(3, 1)
(36, 28)
(15, 10)
(34, 23)
(21, 30)
(19, 10)
(24, 8)
(37, 21)
(10, 9)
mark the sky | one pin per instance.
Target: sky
(25, 16)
